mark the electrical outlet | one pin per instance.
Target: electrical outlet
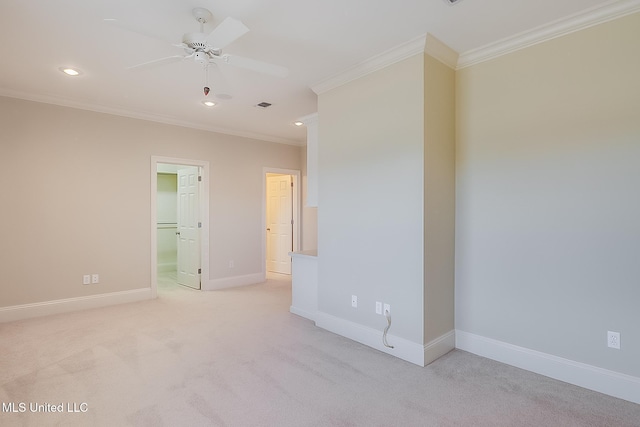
(95, 278)
(387, 309)
(86, 279)
(378, 307)
(354, 301)
(613, 339)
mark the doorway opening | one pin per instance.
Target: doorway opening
(179, 221)
(281, 215)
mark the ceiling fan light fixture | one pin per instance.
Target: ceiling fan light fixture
(70, 71)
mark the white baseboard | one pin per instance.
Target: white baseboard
(591, 377)
(440, 346)
(233, 282)
(303, 313)
(403, 348)
(46, 308)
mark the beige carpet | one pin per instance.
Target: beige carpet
(239, 358)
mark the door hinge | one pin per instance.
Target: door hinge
(199, 271)
(199, 178)
(199, 225)
(292, 183)
(291, 222)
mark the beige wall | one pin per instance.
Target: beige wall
(76, 199)
(548, 171)
(439, 198)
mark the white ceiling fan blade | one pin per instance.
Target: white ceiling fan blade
(119, 24)
(227, 32)
(158, 62)
(255, 65)
(181, 46)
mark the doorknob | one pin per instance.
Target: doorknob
(268, 229)
(177, 233)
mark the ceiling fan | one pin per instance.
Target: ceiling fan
(206, 49)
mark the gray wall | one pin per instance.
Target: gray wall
(548, 206)
(370, 200)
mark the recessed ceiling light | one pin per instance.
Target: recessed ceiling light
(70, 71)
(208, 103)
(298, 123)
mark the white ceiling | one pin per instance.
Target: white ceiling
(315, 40)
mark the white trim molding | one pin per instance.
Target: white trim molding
(140, 115)
(576, 22)
(297, 194)
(203, 214)
(425, 43)
(430, 45)
(46, 308)
(580, 374)
(375, 63)
(232, 282)
(302, 313)
(438, 347)
(403, 348)
(443, 53)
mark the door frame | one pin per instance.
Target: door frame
(297, 193)
(204, 216)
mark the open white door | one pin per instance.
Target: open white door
(279, 223)
(189, 225)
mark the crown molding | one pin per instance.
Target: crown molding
(430, 45)
(579, 21)
(441, 51)
(375, 63)
(425, 43)
(123, 112)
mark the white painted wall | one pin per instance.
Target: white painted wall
(548, 171)
(309, 214)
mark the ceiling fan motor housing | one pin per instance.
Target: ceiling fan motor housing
(196, 41)
(201, 57)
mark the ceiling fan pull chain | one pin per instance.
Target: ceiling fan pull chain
(206, 80)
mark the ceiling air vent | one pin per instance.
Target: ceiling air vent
(452, 2)
(263, 105)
